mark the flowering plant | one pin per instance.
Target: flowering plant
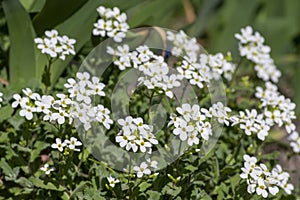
(139, 122)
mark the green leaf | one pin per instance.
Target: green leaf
(38, 147)
(22, 66)
(171, 190)
(234, 181)
(153, 195)
(79, 188)
(49, 186)
(7, 170)
(54, 12)
(6, 113)
(216, 171)
(33, 5)
(191, 168)
(144, 186)
(16, 121)
(24, 182)
(11, 174)
(143, 13)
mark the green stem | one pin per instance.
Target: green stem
(236, 150)
(179, 149)
(129, 176)
(80, 162)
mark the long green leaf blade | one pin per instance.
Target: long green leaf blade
(22, 66)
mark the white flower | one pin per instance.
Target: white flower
(185, 111)
(142, 169)
(56, 46)
(47, 169)
(183, 45)
(112, 24)
(152, 163)
(193, 139)
(17, 101)
(28, 92)
(52, 35)
(252, 47)
(261, 180)
(274, 117)
(261, 189)
(60, 116)
(127, 123)
(67, 45)
(112, 181)
(190, 123)
(288, 188)
(295, 141)
(27, 112)
(135, 135)
(183, 130)
(73, 143)
(143, 145)
(42, 107)
(154, 70)
(124, 139)
(58, 144)
(47, 46)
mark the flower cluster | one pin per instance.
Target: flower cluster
(112, 24)
(207, 68)
(47, 169)
(218, 65)
(199, 70)
(135, 135)
(261, 180)
(64, 108)
(52, 110)
(56, 46)
(252, 123)
(70, 144)
(82, 92)
(295, 141)
(190, 123)
(278, 110)
(182, 45)
(251, 45)
(154, 70)
(218, 111)
(144, 168)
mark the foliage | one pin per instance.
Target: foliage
(25, 145)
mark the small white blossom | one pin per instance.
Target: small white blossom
(112, 181)
(135, 135)
(295, 141)
(59, 144)
(112, 24)
(190, 124)
(56, 46)
(142, 170)
(252, 47)
(262, 181)
(47, 169)
(73, 143)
